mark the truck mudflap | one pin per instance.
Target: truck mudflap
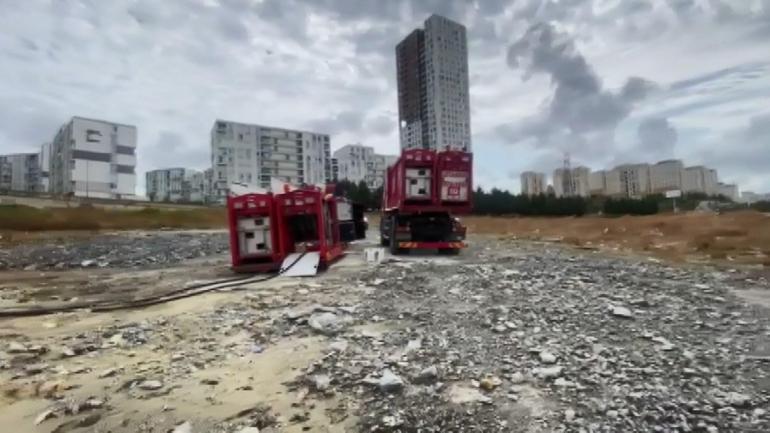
(431, 245)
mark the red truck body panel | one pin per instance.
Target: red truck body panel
(423, 180)
(454, 180)
(254, 238)
(308, 221)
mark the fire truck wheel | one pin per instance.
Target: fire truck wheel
(394, 249)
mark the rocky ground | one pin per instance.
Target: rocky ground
(509, 336)
(126, 250)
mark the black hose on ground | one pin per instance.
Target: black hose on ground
(187, 292)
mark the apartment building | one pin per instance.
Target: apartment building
(5, 174)
(666, 176)
(700, 179)
(729, 190)
(571, 183)
(634, 179)
(352, 161)
(253, 154)
(358, 163)
(753, 197)
(432, 81)
(174, 185)
(377, 169)
(335, 169)
(44, 163)
(613, 185)
(201, 186)
(94, 158)
(597, 182)
(20, 172)
(533, 183)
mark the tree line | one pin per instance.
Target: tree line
(359, 193)
(502, 202)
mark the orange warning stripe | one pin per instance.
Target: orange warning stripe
(432, 245)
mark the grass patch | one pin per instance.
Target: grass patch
(25, 218)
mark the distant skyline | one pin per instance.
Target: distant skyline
(610, 82)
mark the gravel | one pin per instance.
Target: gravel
(146, 251)
(512, 337)
(684, 355)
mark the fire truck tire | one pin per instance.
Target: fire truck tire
(394, 249)
(449, 251)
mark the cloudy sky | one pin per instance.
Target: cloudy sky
(609, 81)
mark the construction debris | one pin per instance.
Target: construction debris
(509, 336)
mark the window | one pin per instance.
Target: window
(125, 169)
(93, 136)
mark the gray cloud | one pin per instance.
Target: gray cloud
(580, 106)
(657, 136)
(173, 67)
(381, 125)
(743, 154)
(232, 27)
(344, 121)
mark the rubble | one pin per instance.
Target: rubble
(321, 382)
(489, 383)
(115, 251)
(547, 357)
(390, 382)
(185, 427)
(150, 385)
(427, 375)
(622, 312)
(325, 323)
(508, 337)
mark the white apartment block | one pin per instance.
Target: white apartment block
(5, 174)
(94, 158)
(44, 161)
(700, 179)
(174, 185)
(335, 169)
(358, 163)
(613, 185)
(377, 169)
(729, 190)
(433, 95)
(666, 176)
(352, 161)
(597, 182)
(572, 183)
(20, 172)
(201, 186)
(637, 180)
(253, 154)
(533, 183)
(753, 197)
(634, 179)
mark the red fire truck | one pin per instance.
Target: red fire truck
(423, 192)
